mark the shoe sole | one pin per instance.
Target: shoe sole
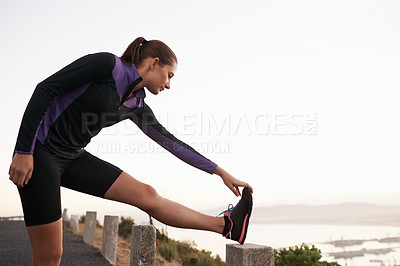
(248, 196)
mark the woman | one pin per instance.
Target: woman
(69, 108)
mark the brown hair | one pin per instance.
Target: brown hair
(141, 49)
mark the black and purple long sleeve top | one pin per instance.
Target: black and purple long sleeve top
(73, 105)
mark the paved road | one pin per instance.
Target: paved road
(15, 248)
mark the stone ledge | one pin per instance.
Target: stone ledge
(249, 254)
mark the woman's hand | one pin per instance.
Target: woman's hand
(21, 169)
(231, 182)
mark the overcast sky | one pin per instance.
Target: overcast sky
(298, 98)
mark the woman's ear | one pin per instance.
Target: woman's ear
(155, 61)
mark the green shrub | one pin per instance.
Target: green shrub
(168, 250)
(219, 261)
(159, 261)
(125, 227)
(206, 260)
(82, 221)
(184, 252)
(161, 235)
(300, 256)
(98, 224)
(190, 260)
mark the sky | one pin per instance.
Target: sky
(297, 98)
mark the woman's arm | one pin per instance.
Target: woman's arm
(147, 122)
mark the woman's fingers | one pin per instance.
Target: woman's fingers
(247, 185)
(241, 184)
(28, 177)
(244, 184)
(18, 177)
(15, 178)
(235, 191)
(232, 187)
(21, 169)
(238, 191)
(21, 180)
(233, 183)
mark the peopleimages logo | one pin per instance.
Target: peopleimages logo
(247, 124)
(289, 124)
(221, 128)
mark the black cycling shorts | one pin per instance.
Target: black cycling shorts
(40, 198)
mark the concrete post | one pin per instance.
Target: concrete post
(90, 228)
(74, 224)
(143, 245)
(110, 237)
(65, 220)
(64, 214)
(249, 254)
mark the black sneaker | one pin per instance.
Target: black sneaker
(237, 218)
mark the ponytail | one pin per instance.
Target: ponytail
(141, 49)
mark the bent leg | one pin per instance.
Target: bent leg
(46, 241)
(128, 190)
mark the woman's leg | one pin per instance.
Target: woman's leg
(128, 190)
(46, 241)
(42, 208)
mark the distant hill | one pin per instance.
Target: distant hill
(344, 213)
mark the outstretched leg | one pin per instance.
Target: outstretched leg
(46, 241)
(128, 190)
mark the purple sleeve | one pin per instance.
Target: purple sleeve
(147, 122)
(88, 68)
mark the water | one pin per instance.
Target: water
(279, 236)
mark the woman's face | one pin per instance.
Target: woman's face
(159, 77)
